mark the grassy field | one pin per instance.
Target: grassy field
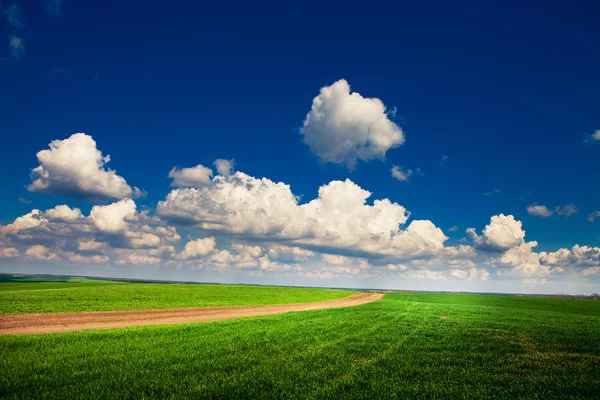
(76, 295)
(404, 346)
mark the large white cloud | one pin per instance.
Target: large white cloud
(344, 127)
(502, 233)
(75, 168)
(339, 220)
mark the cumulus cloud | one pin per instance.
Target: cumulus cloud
(39, 252)
(524, 261)
(338, 220)
(502, 233)
(112, 218)
(224, 167)
(195, 177)
(65, 233)
(198, 248)
(400, 174)
(539, 211)
(344, 127)
(9, 252)
(30, 220)
(75, 168)
(91, 245)
(64, 213)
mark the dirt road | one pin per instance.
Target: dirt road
(51, 323)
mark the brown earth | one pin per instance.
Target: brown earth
(51, 323)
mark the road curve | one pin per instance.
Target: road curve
(53, 323)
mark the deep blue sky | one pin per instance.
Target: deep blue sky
(507, 90)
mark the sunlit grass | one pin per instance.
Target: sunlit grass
(404, 346)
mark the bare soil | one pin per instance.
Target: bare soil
(52, 323)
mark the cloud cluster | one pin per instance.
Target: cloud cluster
(75, 168)
(65, 233)
(339, 220)
(344, 127)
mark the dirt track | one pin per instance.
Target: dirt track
(51, 323)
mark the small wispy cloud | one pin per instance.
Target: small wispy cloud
(567, 211)
(53, 7)
(540, 210)
(443, 160)
(400, 174)
(453, 229)
(492, 192)
(593, 216)
(24, 201)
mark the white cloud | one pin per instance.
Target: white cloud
(64, 213)
(524, 260)
(502, 233)
(401, 175)
(39, 252)
(198, 248)
(30, 220)
(455, 228)
(338, 219)
(287, 253)
(539, 211)
(344, 127)
(9, 252)
(112, 218)
(195, 177)
(224, 167)
(75, 168)
(90, 245)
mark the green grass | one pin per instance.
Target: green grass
(404, 346)
(88, 295)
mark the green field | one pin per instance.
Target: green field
(78, 295)
(408, 345)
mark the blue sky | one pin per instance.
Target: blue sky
(497, 106)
